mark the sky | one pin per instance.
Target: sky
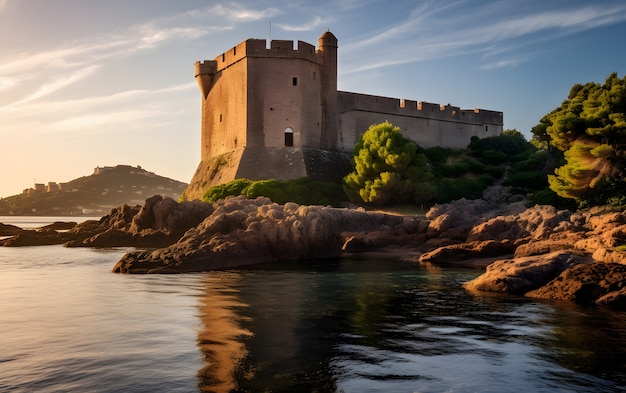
(100, 83)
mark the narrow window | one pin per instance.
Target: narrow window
(314, 75)
(223, 57)
(288, 136)
(234, 51)
(486, 128)
(294, 81)
(220, 117)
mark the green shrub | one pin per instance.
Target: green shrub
(235, 187)
(468, 188)
(476, 166)
(492, 157)
(527, 180)
(455, 169)
(495, 171)
(438, 155)
(302, 191)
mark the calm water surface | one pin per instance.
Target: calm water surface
(361, 324)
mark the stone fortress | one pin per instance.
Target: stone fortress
(275, 113)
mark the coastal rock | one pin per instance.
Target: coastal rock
(600, 283)
(9, 230)
(60, 226)
(538, 222)
(44, 237)
(604, 255)
(161, 221)
(454, 253)
(242, 232)
(521, 275)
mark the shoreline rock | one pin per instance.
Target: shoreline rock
(539, 252)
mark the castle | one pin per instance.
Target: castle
(276, 113)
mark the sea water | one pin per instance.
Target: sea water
(364, 323)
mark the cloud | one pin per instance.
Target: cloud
(419, 36)
(311, 25)
(501, 64)
(127, 109)
(58, 84)
(153, 35)
(235, 12)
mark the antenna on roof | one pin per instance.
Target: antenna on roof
(270, 30)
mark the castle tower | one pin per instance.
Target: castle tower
(268, 113)
(327, 44)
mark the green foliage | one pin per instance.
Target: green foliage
(388, 168)
(455, 169)
(302, 191)
(549, 197)
(468, 188)
(510, 143)
(590, 128)
(235, 187)
(437, 155)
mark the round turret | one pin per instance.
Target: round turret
(327, 39)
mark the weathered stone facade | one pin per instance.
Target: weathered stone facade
(276, 113)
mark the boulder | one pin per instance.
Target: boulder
(452, 254)
(538, 222)
(521, 275)
(599, 283)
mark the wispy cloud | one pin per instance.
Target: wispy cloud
(148, 108)
(314, 23)
(58, 84)
(418, 37)
(236, 12)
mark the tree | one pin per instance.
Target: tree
(388, 168)
(590, 129)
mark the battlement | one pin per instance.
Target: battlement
(421, 109)
(257, 48)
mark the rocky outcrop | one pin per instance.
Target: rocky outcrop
(160, 222)
(599, 283)
(9, 230)
(521, 275)
(242, 232)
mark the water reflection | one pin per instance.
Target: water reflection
(222, 340)
(364, 326)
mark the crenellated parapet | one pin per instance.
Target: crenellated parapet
(418, 109)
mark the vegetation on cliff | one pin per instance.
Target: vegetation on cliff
(304, 191)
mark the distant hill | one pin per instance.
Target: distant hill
(96, 194)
